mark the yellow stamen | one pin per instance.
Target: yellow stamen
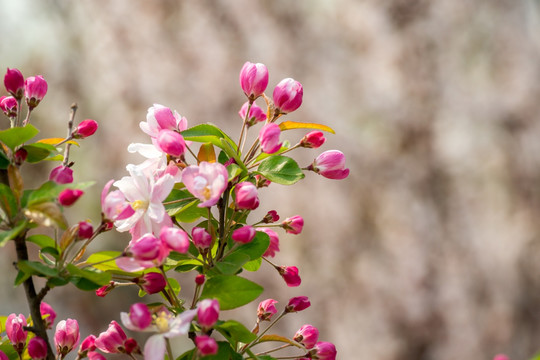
(139, 204)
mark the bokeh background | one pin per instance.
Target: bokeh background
(429, 250)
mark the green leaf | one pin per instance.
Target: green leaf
(253, 265)
(232, 263)
(50, 190)
(233, 330)
(174, 285)
(256, 248)
(21, 277)
(206, 133)
(8, 201)
(280, 169)
(94, 275)
(5, 236)
(57, 281)
(38, 151)
(230, 148)
(191, 212)
(106, 261)
(231, 291)
(18, 135)
(42, 241)
(4, 161)
(35, 267)
(234, 171)
(177, 200)
(7, 348)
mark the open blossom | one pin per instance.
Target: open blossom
(113, 340)
(166, 325)
(160, 117)
(253, 79)
(331, 165)
(207, 182)
(269, 138)
(288, 95)
(114, 204)
(145, 196)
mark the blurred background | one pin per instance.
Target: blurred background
(430, 249)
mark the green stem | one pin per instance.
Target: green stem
(169, 349)
(254, 342)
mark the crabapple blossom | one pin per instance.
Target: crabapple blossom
(313, 140)
(208, 313)
(246, 196)
(66, 336)
(3, 356)
(206, 345)
(271, 217)
(266, 309)
(293, 224)
(273, 248)
(269, 138)
(61, 175)
(307, 335)
(207, 182)
(14, 82)
(171, 142)
(201, 238)
(88, 344)
(37, 348)
(256, 114)
(68, 197)
(199, 279)
(244, 234)
(15, 331)
(47, 313)
(253, 79)
(176, 239)
(152, 282)
(35, 88)
(330, 164)
(9, 106)
(114, 204)
(112, 340)
(323, 350)
(290, 275)
(297, 303)
(288, 95)
(85, 129)
(140, 315)
(160, 117)
(85, 230)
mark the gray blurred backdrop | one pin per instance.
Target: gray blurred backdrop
(429, 250)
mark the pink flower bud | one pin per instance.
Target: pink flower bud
(253, 79)
(176, 239)
(61, 175)
(297, 303)
(67, 197)
(307, 335)
(501, 357)
(261, 181)
(331, 165)
(244, 234)
(85, 129)
(48, 314)
(206, 345)
(140, 315)
(131, 346)
(201, 238)
(147, 247)
(199, 279)
(323, 351)
(171, 142)
(85, 230)
(9, 106)
(15, 332)
(313, 140)
(269, 138)
(207, 182)
(246, 196)
(104, 290)
(112, 340)
(288, 95)
(256, 114)
(94, 355)
(271, 217)
(273, 248)
(266, 309)
(293, 225)
(20, 156)
(208, 313)
(152, 282)
(14, 83)
(37, 348)
(290, 275)
(66, 336)
(88, 344)
(3, 356)
(35, 88)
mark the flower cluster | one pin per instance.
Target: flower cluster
(187, 207)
